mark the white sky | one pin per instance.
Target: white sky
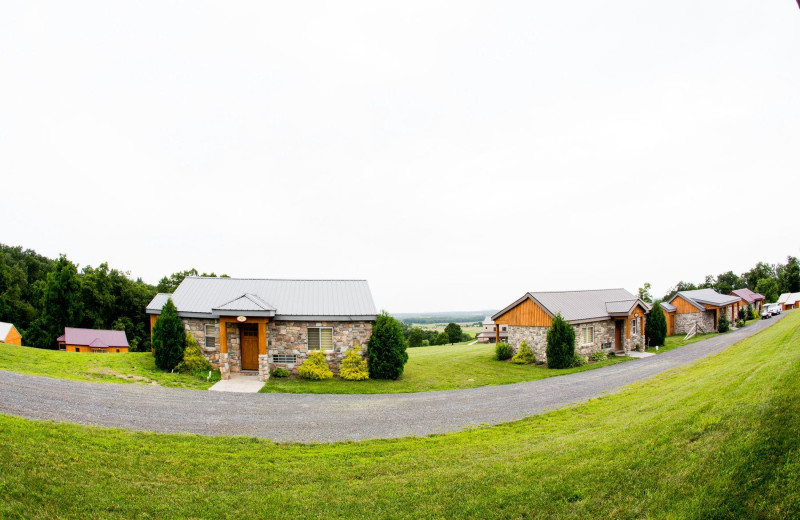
(455, 154)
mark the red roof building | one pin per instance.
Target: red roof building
(753, 298)
(91, 340)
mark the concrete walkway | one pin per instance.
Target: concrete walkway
(239, 383)
(328, 418)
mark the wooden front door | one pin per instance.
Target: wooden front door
(618, 334)
(249, 335)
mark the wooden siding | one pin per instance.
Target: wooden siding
(13, 337)
(670, 317)
(683, 306)
(638, 309)
(526, 314)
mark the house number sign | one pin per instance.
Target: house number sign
(241, 319)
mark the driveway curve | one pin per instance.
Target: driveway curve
(329, 418)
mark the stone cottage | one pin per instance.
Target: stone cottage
(607, 319)
(702, 307)
(257, 324)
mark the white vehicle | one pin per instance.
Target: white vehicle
(774, 308)
(765, 314)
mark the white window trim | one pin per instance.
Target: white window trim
(308, 347)
(585, 335)
(635, 327)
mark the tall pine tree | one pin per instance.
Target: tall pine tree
(655, 328)
(386, 349)
(560, 343)
(169, 337)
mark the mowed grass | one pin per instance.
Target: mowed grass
(443, 367)
(131, 367)
(717, 439)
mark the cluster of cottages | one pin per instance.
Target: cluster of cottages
(255, 325)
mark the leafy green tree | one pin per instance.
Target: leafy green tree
(682, 286)
(644, 293)
(761, 271)
(415, 337)
(169, 338)
(442, 338)
(168, 284)
(386, 350)
(769, 288)
(727, 282)
(560, 343)
(454, 333)
(789, 276)
(655, 327)
(62, 305)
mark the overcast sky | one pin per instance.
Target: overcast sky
(455, 154)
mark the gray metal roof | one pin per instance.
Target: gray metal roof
(706, 296)
(581, 306)
(281, 298)
(668, 307)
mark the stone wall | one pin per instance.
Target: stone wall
(291, 338)
(196, 327)
(537, 338)
(685, 321)
(283, 337)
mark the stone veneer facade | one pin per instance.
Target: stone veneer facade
(283, 338)
(685, 321)
(604, 335)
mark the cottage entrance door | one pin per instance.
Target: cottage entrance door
(249, 335)
(618, 334)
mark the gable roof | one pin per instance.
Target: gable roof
(668, 307)
(5, 328)
(94, 338)
(582, 306)
(699, 297)
(789, 298)
(284, 299)
(748, 295)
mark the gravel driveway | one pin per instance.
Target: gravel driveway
(327, 418)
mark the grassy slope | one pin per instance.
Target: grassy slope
(718, 439)
(443, 367)
(132, 367)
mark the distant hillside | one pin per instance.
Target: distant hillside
(444, 317)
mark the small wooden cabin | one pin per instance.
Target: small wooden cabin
(789, 301)
(9, 334)
(91, 340)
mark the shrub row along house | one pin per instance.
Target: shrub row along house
(608, 319)
(258, 324)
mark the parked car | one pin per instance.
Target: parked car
(765, 314)
(774, 308)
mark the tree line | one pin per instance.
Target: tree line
(41, 296)
(419, 337)
(771, 280)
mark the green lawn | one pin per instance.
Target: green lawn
(132, 367)
(673, 342)
(717, 439)
(444, 367)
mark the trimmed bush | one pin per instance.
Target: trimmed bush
(724, 325)
(577, 361)
(386, 350)
(598, 355)
(354, 368)
(752, 312)
(740, 323)
(315, 367)
(524, 356)
(560, 343)
(502, 351)
(193, 360)
(169, 337)
(655, 327)
(279, 372)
